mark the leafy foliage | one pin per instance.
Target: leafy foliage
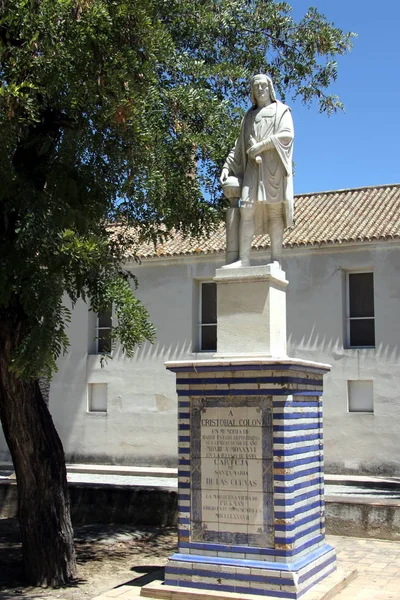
(122, 111)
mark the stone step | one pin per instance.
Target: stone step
(325, 590)
(157, 591)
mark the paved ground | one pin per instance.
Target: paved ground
(335, 485)
(378, 566)
(170, 482)
(377, 563)
(331, 487)
(114, 561)
(107, 557)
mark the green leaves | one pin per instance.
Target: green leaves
(133, 325)
(122, 112)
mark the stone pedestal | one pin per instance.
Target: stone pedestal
(251, 488)
(251, 496)
(251, 314)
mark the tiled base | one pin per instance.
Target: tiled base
(251, 577)
(325, 590)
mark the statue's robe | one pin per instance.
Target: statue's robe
(271, 181)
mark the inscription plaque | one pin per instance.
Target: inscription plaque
(231, 457)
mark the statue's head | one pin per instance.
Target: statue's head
(257, 78)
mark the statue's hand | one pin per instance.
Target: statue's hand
(224, 175)
(256, 149)
(259, 147)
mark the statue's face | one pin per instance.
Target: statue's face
(261, 91)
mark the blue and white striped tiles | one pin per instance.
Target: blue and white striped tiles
(298, 556)
(251, 576)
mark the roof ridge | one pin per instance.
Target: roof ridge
(352, 189)
(364, 214)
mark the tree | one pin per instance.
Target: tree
(115, 117)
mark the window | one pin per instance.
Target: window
(103, 332)
(208, 316)
(360, 310)
(360, 396)
(97, 397)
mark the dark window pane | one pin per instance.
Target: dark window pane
(209, 338)
(105, 318)
(208, 303)
(361, 289)
(104, 342)
(362, 332)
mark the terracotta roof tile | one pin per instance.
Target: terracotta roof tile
(335, 217)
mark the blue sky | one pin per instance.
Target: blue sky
(361, 146)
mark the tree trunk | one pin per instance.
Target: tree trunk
(39, 463)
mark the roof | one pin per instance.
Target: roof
(336, 217)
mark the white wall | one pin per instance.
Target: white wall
(140, 426)
(354, 442)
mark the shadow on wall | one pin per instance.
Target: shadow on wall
(139, 381)
(320, 347)
(161, 352)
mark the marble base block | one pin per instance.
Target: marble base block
(251, 317)
(250, 478)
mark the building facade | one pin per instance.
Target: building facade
(342, 261)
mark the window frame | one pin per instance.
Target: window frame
(201, 325)
(348, 318)
(363, 411)
(98, 329)
(89, 406)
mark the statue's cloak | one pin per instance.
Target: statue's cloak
(271, 181)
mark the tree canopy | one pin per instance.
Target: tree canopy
(115, 119)
(123, 111)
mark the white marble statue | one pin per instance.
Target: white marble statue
(261, 165)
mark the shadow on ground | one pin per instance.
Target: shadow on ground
(99, 549)
(151, 573)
